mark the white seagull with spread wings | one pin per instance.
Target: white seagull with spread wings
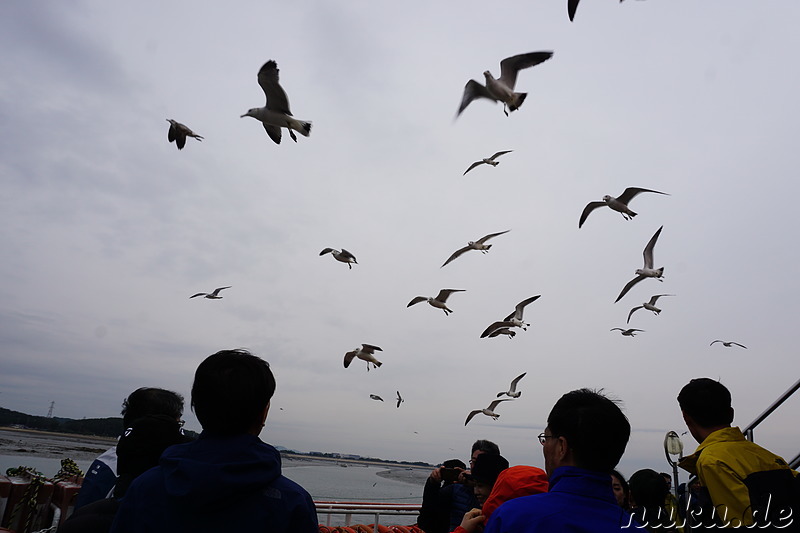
(488, 411)
(343, 256)
(512, 390)
(211, 295)
(276, 114)
(627, 332)
(439, 301)
(480, 245)
(729, 344)
(178, 133)
(619, 204)
(502, 88)
(647, 271)
(365, 353)
(514, 320)
(488, 161)
(650, 306)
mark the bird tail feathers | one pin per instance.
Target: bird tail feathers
(518, 99)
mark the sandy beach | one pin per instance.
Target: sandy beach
(33, 443)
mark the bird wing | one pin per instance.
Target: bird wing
(572, 6)
(491, 235)
(629, 194)
(216, 291)
(648, 250)
(503, 331)
(521, 306)
(274, 132)
(473, 165)
(494, 404)
(416, 300)
(591, 206)
(472, 414)
(171, 134)
(348, 255)
(276, 96)
(712, 344)
(511, 65)
(737, 344)
(456, 254)
(375, 397)
(632, 311)
(515, 381)
(498, 154)
(614, 329)
(627, 287)
(198, 294)
(370, 348)
(473, 90)
(348, 357)
(326, 251)
(444, 293)
(494, 327)
(180, 138)
(655, 298)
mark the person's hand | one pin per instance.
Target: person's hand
(462, 476)
(436, 475)
(472, 521)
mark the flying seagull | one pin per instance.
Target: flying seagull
(211, 295)
(650, 306)
(514, 320)
(488, 161)
(502, 88)
(375, 397)
(488, 411)
(365, 353)
(344, 256)
(512, 390)
(275, 114)
(475, 245)
(620, 203)
(648, 271)
(627, 332)
(399, 399)
(178, 133)
(438, 301)
(728, 344)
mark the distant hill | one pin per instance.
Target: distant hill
(102, 427)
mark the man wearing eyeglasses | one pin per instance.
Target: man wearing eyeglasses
(585, 438)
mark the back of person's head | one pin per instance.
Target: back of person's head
(151, 401)
(648, 488)
(486, 446)
(454, 463)
(708, 402)
(142, 444)
(595, 428)
(231, 390)
(487, 467)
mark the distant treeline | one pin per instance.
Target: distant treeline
(101, 427)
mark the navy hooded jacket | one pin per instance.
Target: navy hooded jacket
(217, 483)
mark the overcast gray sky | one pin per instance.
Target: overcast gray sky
(107, 229)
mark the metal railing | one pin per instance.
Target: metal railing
(748, 431)
(377, 512)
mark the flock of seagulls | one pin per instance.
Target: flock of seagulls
(276, 115)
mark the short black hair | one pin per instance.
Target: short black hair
(230, 391)
(147, 401)
(708, 402)
(486, 446)
(648, 488)
(594, 426)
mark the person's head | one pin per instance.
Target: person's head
(142, 444)
(484, 473)
(667, 480)
(231, 392)
(483, 446)
(706, 407)
(648, 489)
(620, 487)
(151, 401)
(585, 429)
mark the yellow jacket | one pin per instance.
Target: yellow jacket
(724, 461)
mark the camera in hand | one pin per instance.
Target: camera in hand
(450, 474)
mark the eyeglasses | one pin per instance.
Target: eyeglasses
(543, 438)
(181, 423)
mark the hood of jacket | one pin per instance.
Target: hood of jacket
(513, 482)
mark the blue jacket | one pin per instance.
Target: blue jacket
(579, 501)
(100, 479)
(216, 483)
